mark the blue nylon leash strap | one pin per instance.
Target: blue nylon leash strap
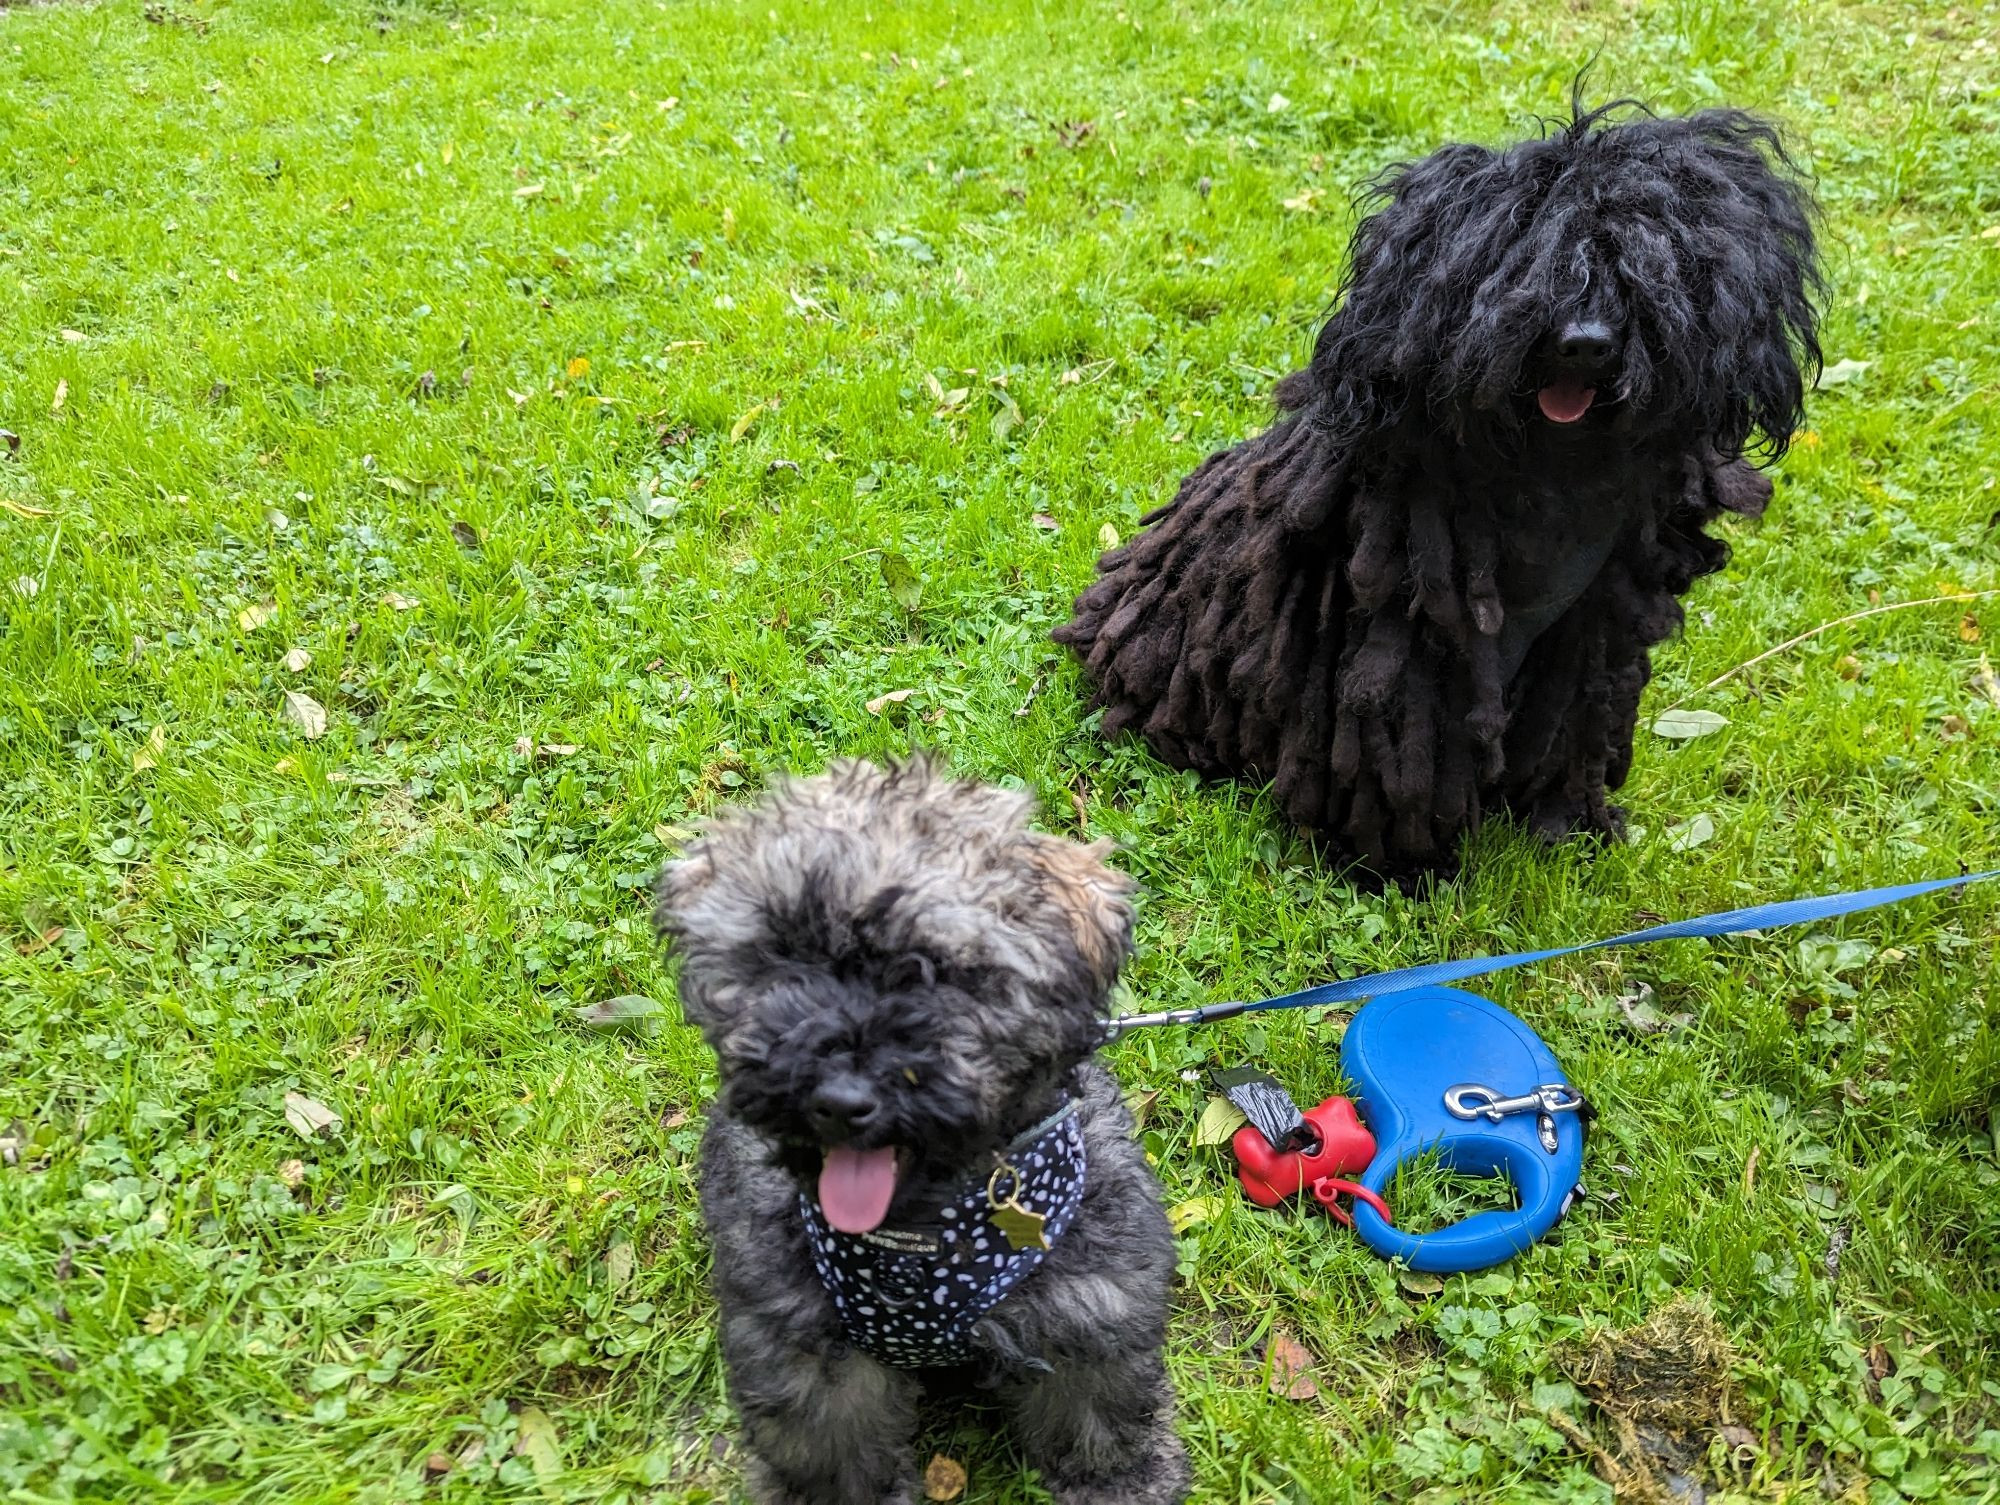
(1432, 974)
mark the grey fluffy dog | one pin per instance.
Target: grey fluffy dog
(915, 1174)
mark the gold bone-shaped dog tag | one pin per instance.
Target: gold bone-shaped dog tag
(1021, 1227)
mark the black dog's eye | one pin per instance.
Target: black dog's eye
(907, 972)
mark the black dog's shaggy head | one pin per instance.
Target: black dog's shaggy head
(895, 973)
(1621, 279)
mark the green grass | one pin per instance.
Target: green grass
(317, 282)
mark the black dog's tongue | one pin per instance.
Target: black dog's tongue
(1565, 401)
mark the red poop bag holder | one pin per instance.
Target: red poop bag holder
(1334, 1147)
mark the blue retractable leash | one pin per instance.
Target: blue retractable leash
(1441, 1069)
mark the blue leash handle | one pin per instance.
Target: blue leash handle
(1432, 974)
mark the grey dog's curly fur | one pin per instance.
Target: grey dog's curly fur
(1414, 599)
(912, 929)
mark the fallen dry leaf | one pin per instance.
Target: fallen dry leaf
(1219, 1122)
(464, 534)
(632, 1013)
(1968, 628)
(742, 425)
(1193, 1213)
(148, 753)
(308, 714)
(1690, 834)
(944, 1478)
(1291, 1364)
(292, 1173)
(528, 747)
(1046, 523)
(397, 601)
(620, 1262)
(1107, 537)
(1682, 725)
(297, 661)
(528, 191)
(61, 397)
(1953, 728)
(882, 703)
(41, 942)
(537, 1442)
(671, 836)
(310, 1117)
(27, 587)
(254, 616)
(1985, 682)
(1643, 1018)
(438, 1463)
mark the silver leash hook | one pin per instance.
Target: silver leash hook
(1470, 1100)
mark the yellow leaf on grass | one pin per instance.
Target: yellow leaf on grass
(944, 1479)
(256, 615)
(742, 425)
(1968, 628)
(1193, 1212)
(62, 396)
(148, 753)
(1219, 1121)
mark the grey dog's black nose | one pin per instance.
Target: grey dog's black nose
(841, 1107)
(1587, 344)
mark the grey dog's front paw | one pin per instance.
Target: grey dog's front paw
(766, 1488)
(1161, 1477)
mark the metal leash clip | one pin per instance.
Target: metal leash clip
(1469, 1100)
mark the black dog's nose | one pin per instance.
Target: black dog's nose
(1587, 344)
(842, 1106)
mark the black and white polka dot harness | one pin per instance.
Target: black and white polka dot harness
(912, 1295)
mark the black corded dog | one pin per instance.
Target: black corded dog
(1429, 591)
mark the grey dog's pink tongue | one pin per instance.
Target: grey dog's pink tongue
(1565, 401)
(856, 1188)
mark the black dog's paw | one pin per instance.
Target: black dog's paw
(1554, 820)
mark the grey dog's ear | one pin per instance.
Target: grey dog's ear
(1094, 899)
